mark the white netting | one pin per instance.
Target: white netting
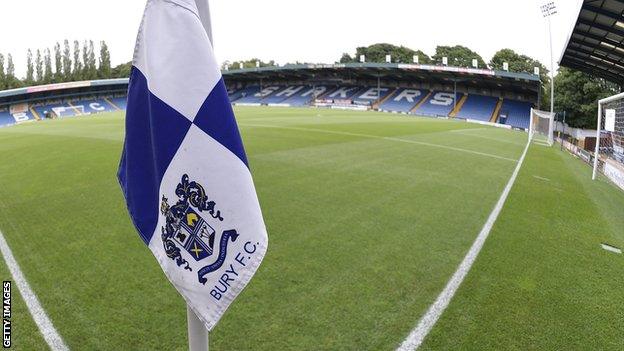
(541, 128)
(610, 158)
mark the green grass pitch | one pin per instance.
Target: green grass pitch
(368, 216)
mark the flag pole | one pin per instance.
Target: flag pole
(197, 332)
(204, 15)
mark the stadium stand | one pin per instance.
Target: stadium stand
(370, 95)
(403, 100)
(282, 94)
(306, 95)
(8, 119)
(118, 102)
(342, 93)
(247, 95)
(439, 104)
(516, 113)
(478, 107)
(411, 89)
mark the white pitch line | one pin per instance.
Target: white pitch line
(51, 336)
(426, 323)
(382, 138)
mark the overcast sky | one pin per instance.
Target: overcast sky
(308, 31)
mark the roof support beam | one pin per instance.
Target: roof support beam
(602, 11)
(612, 51)
(599, 38)
(601, 56)
(598, 65)
(594, 72)
(602, 27)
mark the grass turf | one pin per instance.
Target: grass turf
(368, 215)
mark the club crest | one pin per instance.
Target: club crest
(193, 225)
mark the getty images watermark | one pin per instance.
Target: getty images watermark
(6, 314)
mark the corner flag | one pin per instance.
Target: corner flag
(183, 170)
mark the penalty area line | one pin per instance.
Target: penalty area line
(50, 334)
(426, 323)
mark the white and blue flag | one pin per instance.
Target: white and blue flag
(183, 171)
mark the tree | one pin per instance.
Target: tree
(104, 69)
(11, 80)
(58, 63)
(2, 74)
(457, 55)
(577, 94)
(77, 75)
(47, 67)
(38, 67)
(346, 58)
(122, 70)
(90, 66)
(85, 60)
(30, 70)
(377, 53)
(517, 63)
(251, 63)
(67, 62)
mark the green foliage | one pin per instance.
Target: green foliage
(457, 55)
(104, 69)
(67, 61)
(38, 67)
(47, 67)
(346, 58)
(122, 70)
(85, 60)
(77, 74)
(251, 63)
(377, 53)
(30, 69)
(2, 73)
(10, 80)
(517, 63)
(58, 64)
(577, 94)
(90, 65)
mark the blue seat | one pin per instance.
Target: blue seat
(478, 107)
(368, 95)
(439, 104)
(403, 100)
(518, 113)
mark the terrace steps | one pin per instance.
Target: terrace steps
(378, 103)
(494, 117)
(422, 101)
(459, 105)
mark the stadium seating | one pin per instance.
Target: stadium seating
(369, 95)
(438, 104)
(403, 100)
(282, 94)
(7, 119)
(304, 96)
(342, 93)
(80, 107)
(247, 95)
(478, 107)
(119, 102)
(517, 112)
